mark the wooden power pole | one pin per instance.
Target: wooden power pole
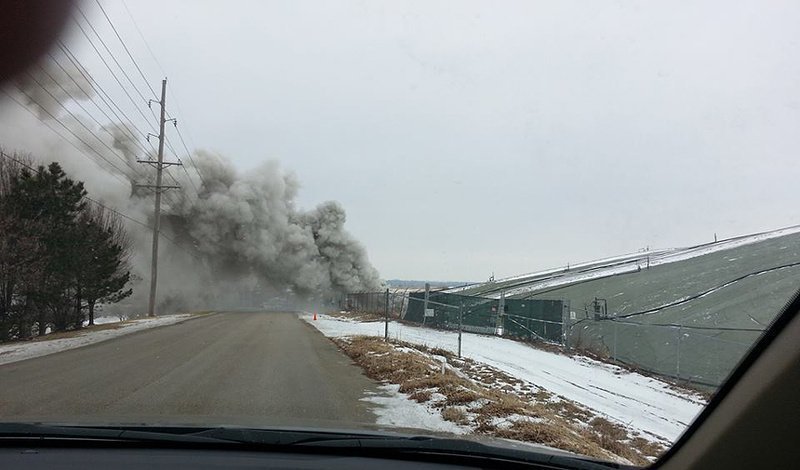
(159, 165)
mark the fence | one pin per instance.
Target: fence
(527, 319)
(375, 302)
(695, 354)
(690, 353)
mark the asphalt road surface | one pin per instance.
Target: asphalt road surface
(253, 369)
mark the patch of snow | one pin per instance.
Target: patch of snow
(103, 321)
(645, 404)
(396, 409)
(22, 350)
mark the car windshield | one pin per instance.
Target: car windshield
(555, 224)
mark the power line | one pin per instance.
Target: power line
(90, 98)
(56, 132)
(141, 73)
(175, 153)
(114, 75)
(113, 152)
(152, 55)
(67, 127)
(104, 96)
(189, 154)
(188, 177)
(177, 104)
(133, 60)
(113, 56)
(100, 204)
(127, 51)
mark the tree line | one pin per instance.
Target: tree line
(60, 255)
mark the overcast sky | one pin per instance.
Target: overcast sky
(466, 138)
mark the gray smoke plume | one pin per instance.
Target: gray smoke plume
(240, 240)
(249, 225)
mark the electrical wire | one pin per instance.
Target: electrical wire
(62, 135)
(177, 104)
(104, 96)
(90, 131)
(89, 97)
(124, 46)
(113, 74)
(119, 213)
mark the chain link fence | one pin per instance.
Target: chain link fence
(525, 319)
(698, 355)
(690, 354)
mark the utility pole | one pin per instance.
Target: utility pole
(159, 165)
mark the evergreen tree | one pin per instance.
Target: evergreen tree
(103, 274)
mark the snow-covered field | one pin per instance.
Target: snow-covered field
(657, 257)
(645, 404)
(29, 349)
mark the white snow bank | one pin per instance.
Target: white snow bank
(397, 410)
(103, 320)
(19, 351)
(645, 404)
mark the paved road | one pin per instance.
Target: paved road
(256, 369)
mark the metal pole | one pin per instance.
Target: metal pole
(678, 346)
(425, 303)
(151, 310)
(460, 318)
(614, 357)
(501, 307)
(386, 317)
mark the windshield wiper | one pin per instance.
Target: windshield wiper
(105, 433)
(296, 440)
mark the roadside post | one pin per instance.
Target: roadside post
(614, 356)
(386, 316)
(425, 304)
(460, 325)
(678, 353)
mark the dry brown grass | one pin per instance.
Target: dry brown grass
(460, 397)
(570, 410)
(421, 396)
(556, 423)
(502, 405)
(560, 437)
(434, 380)
(615, 439)
(454, 414)
(646, 447)
(441, 352)
(608, 429)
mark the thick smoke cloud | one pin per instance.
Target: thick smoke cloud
(242, 239)
(250, 223)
